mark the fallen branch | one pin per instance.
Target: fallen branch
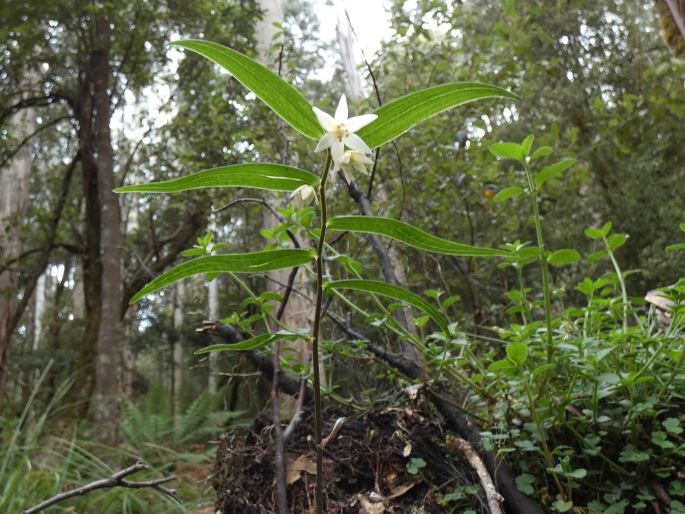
(493, 497)
(116, 480)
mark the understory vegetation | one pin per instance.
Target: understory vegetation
(246, 269)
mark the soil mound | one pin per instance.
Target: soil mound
(393, 460)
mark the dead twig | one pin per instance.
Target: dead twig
(494, 498)
(116, 480)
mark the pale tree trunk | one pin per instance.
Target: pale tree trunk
(38, 312)
(78, 293)
(128, 360)
(298, 313)
(177, 377)
(265, 30)
(14, 192)
(294, 315)
(353, 81)
(110, 333)
(213, 304)
(78, 298)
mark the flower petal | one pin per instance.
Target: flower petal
(341, 111)
(325, 142)
(357, 143)
(360, 167)
(337, 151)
(325, 119)
(357, 122)
(348, 175)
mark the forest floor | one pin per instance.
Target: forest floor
(393, 460)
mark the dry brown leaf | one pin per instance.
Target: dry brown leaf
(400, 489)
(297, 466)
(368, 507)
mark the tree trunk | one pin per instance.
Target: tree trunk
(672, 21)
(78, 294)
(353, 81)
(213, 304)
(38, 312)
(299, 309)
(265, 30)
(14, 192)
(177, 377)
(110, 331)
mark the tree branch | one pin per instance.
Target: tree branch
(116, 480)
(36, 101)
(177, 241)
(286, 383)
(44, 257)
(12, 260)
(41, 128)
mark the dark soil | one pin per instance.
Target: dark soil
(365, 466)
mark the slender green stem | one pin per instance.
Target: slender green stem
(524, 301)
(611, 463)
(316, 335)
(549, 458)
(622, 283)
(674, 373)
(543, 263)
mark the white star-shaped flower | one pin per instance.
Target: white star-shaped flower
(354, 161)
(340, 131)
(303, 196)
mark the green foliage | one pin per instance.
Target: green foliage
(415, 465)
(395, 292)
(253, 343)
(271, 177)
(585, 430)
(37, 464)
(410, 235)
(281, 97)
(254, 262)
(152, 421)
(400, 115)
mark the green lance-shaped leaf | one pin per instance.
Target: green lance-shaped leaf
(286, 101)
(397, 117)
(254, 262)
(273, 177)
(254, 343)
(552, 171)
(410, 235)
(395, 292)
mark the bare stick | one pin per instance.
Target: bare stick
(298, 410)
(494, 498)
(116, 480)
